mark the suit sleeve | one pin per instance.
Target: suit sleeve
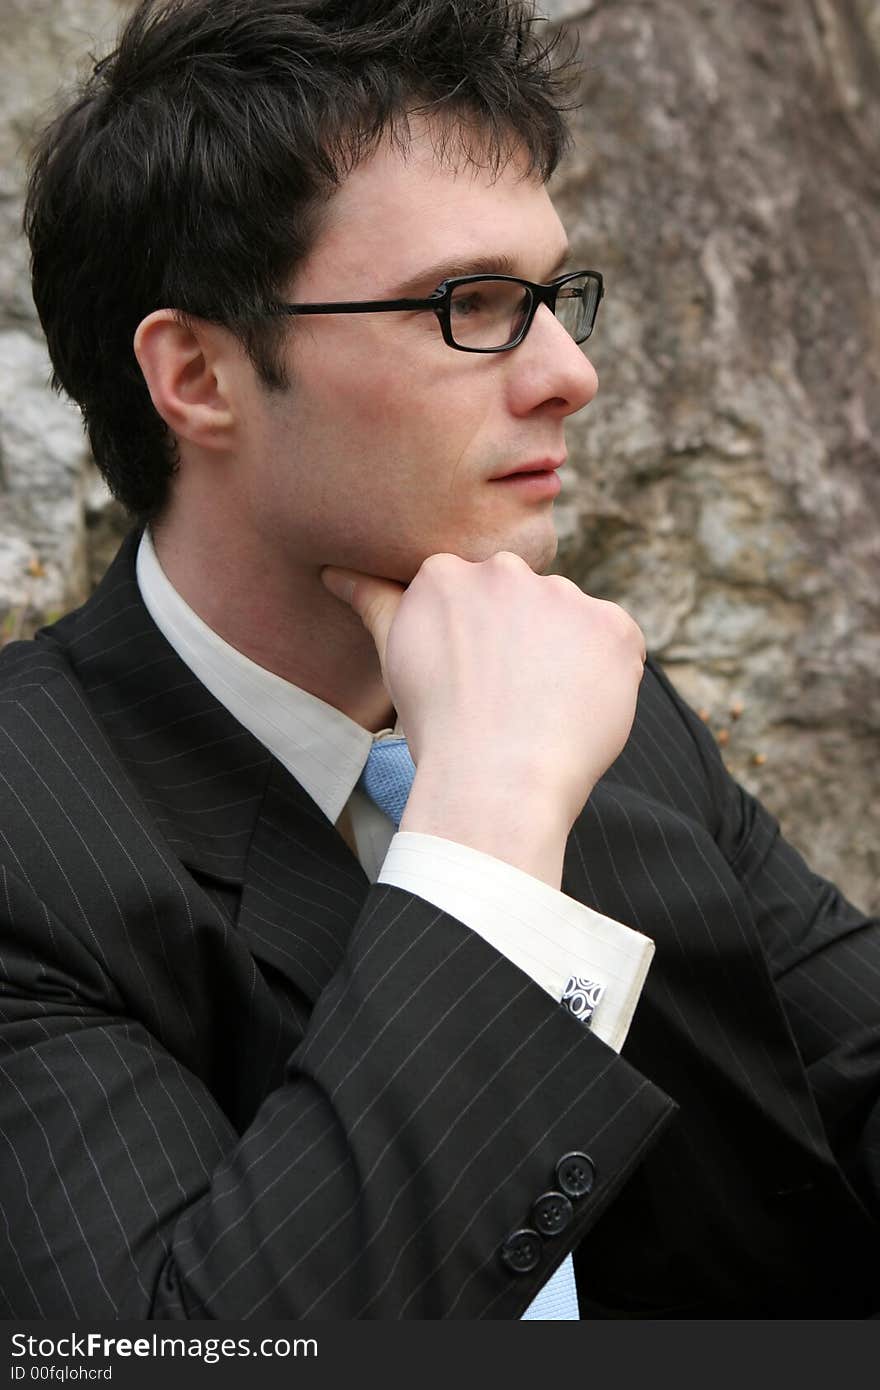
(824, 956)
(433, 1092)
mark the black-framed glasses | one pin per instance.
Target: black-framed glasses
(487, 313)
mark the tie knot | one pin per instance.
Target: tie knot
(388, 776)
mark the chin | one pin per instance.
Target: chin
(546, 556)
(538, 549)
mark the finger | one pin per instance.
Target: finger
(340, 582)
(374, 600)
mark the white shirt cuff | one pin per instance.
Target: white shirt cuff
(545, 933)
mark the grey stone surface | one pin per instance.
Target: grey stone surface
(42, 456)
(43, 460)
(724, 485)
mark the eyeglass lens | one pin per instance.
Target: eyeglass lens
(576, 305)
(491, 313)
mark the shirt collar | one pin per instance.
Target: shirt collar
(319, 745)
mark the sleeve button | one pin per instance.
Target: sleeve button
(575, 1173)
(552, 1213)
(521, 1251)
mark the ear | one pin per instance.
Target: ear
(184, 366)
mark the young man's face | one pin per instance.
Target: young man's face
(386, 446)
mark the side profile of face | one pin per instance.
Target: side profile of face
(386, 447)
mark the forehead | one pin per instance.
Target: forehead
(403, 209)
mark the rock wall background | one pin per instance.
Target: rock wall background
(724, 486)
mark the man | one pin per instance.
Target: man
(261, 1056)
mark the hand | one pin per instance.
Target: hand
(516, 691)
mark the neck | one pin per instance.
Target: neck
(281, 617)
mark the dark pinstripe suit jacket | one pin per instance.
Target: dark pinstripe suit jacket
(237, 1080)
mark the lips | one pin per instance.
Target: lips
(534, 468)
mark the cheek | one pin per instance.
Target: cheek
(379, 404)
(386, 381)
(397, 411)
(395, 422)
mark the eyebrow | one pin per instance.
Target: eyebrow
(428, 279)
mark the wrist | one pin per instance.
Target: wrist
(520, 830)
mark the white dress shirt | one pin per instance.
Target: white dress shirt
(544, 932)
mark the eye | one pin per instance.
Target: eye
(488, 313)
(466, 305)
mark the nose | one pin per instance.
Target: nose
(549, 370)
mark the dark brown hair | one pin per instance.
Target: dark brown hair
(190, 170)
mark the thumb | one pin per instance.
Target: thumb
(375, 600)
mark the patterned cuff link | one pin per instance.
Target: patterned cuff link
(582, 997)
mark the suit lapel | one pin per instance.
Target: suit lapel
(226, 807)
(303, 887)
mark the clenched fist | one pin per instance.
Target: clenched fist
(516, 692)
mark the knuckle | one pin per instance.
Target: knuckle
(619, 625)
(621, 620)
(563, 585)
(440, 569)
(441, 561)
(507, 560)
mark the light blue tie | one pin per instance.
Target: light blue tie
(388, 776)
(387, 779)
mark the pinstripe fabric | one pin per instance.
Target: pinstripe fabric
(237, 1080)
